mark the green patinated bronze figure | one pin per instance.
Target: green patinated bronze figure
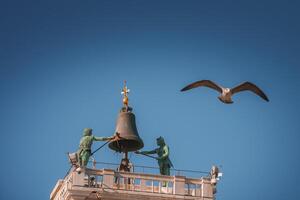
(163, 159)
(84, 151)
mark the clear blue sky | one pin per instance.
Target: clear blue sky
(62, 65)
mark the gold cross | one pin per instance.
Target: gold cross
(125, 92)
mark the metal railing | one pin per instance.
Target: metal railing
(152, 170)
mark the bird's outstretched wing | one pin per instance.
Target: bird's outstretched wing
(206, 83)
(249, 86)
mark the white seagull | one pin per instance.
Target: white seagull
(226, 93)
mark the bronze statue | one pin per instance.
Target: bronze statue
(84, 151)
(163, 152)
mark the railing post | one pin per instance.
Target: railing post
(198, 190)
(179, 183)
(159, 187)
(78, 178)
(143, 186)
(152, 185)
(108, 178)
(207, 190)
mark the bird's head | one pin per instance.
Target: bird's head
(227, 90)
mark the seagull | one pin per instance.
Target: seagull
(226, 93)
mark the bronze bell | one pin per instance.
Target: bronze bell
(129, 136)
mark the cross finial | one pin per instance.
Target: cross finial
(125, 92)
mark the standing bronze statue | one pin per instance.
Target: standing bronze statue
(84, 151)
(163, 159)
